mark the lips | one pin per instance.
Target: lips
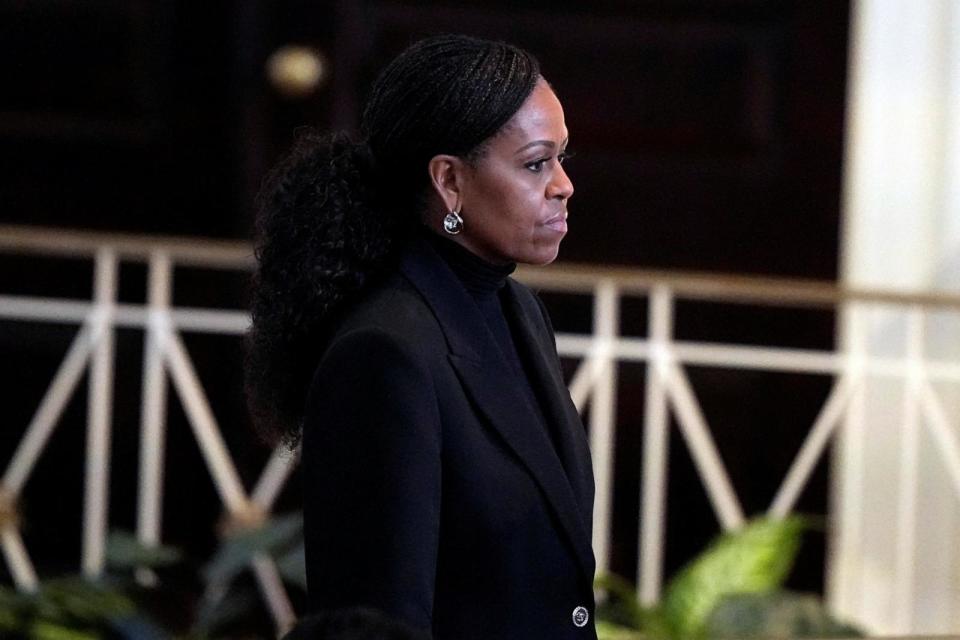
(557, 223)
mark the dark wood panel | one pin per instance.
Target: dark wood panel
(76, 58)
(119, 115)
(689, 123)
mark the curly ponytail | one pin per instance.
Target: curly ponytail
(319, 241)
(335, 211)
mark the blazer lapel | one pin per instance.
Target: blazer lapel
(485, 375)
(538, 348)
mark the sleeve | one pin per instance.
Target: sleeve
(371, 465)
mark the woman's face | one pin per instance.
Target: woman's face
(514, 197)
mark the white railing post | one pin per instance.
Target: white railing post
(204, 425)
(100, 401)
(606, 327)
(844, 571)
(909, 458)
(281, 464)
(823, 428)
(944, 434)
(45, 418)
(703, 450)
(656, 439)
(17, 559)
(271, 587)
(153, 407)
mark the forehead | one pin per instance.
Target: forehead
(540, 117)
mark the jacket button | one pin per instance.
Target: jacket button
(580, 616)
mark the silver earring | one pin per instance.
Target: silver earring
(453, 223)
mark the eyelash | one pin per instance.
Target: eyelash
(537, 165)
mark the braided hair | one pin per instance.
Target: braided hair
(334, 212)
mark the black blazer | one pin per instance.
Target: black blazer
(432, 491)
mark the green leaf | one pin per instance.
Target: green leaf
(9, 621)
(775, 615)
(217, 612)
(238, 550)
(51, 631)
(14, 607)
(611, 631)
(75, 600)
(124, 551)
(621, 606)
(293, 566)
(136, 627)
(754, 559)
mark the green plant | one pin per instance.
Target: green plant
(75, 608)
(225, 603)
(116, 606)
(709, 597)
(780, 614)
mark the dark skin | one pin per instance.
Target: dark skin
(513, 199)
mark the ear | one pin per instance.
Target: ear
(447, 174)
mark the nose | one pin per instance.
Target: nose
(560, 186)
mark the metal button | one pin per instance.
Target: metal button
(580, 616)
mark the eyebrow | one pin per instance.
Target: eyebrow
(547, 143)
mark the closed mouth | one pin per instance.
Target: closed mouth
(557, 223)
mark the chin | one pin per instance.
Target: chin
(541, 257)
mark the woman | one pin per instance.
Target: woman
(447, 480)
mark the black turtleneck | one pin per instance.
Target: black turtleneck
(485, 283)
(478, 276)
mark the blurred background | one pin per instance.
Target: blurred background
(772, 179)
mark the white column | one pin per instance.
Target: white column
(893, 565)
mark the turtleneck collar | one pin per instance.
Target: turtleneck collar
(478, 276)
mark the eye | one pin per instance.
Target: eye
(537, 165)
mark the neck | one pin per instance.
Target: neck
(477, 274)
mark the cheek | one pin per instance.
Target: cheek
(524, 203)
(531, 210)
(512, 206)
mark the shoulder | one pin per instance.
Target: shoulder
(378, 370)
(392, 309)
(389, 327)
